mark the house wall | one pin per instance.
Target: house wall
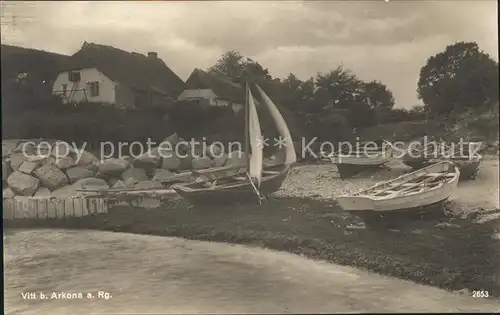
(206, 94)
(106, 87)
(124, 96)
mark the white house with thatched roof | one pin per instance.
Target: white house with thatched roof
(104, 74)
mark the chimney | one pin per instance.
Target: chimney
(152, 54)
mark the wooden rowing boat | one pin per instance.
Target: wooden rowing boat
(365, 156)
(467, 157)
(413, 192)
(255, 183)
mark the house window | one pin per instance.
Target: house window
(22, 77)
(65, 90)
(93, 88)
(74, 76)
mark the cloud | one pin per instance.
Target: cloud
(377, 40)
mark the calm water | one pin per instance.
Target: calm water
(148, 274)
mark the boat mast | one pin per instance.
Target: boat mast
(247, 126)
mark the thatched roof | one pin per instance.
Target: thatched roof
(131, 69)
(221, 85)
(43, 64)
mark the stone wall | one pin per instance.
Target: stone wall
(44, 171)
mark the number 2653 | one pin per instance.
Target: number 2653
(480, 294)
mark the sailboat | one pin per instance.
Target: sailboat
(254, 183)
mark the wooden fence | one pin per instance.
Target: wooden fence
(42, 208)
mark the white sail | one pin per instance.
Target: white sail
(286, 137)
(255, 135)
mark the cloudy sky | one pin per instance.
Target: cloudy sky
(382, 40)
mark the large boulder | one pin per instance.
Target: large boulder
(198, 150)
(112, 181)
(215, 150)
(236, 158)
(186, 163)
(8, 147)
(94, 167)
(170, 161)
(28, 167)
(40, 159)
(119, 184)
(44, 147)
(86, 158)
(51, 177)
(91, 183)
(67, 191)
(16, 160)
(79, 172)
(148, 184)
(173, 140)
(64, 162)
(8, 193)
(133, 172)
(113, 167)
(220, 160)
(6, 170)
(23, 184)
(161, 175)
(148, 161)
(127, 158)
(202, 163)
(61, 149)
(130, 182)
(26, 147)
(42, 192)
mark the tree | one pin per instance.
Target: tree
(377, 95)
(292, 82)
(256, 69)
(460, 78)
(233, 65)
(302, 93)
(338, 88)
(230, 64)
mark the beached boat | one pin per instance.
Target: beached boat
(356, 159)
(467, 156)
(413, 192)
(255, 184)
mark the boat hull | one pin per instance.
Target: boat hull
(468, 168)
(350, 165)
(414, 200)
(384, 220)
(361, 203)
(240, 193)
(350, 170)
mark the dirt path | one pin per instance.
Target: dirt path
(147, 274)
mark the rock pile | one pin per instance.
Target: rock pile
(34, 170)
